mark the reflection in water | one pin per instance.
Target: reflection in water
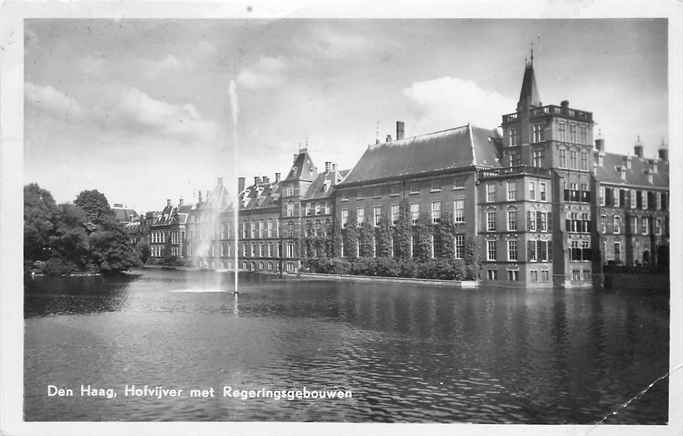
(407, 354)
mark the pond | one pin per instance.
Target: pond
(398, 352)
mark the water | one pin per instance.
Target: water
(407, 354)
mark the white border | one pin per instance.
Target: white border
(11, 183)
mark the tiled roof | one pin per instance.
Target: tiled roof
(124, 215)
(637, 175)
(529, 90)
(260, 196)
(448, 149)
(323, 185)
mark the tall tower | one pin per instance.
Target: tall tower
(559, 138)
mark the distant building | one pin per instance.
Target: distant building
(167, 232)
(124, 215)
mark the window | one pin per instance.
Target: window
(603, 223)
(644, 225)
(572, 133)
(584, 160)
(491, 251)
(659, 201)
(436, 186)
(576, 275)
(459, 211)
(512, 250)
(544, 221)
(269, 228)
(290, 209)
(617, 252)
(414, 213)
(459, 183)
(492, 274)
(512, 220)
(512, 136)
(512, 191)
(531, 251)
(537, 158)
(537, 133)
(616, 225)
(360, 216)
(317, 208)
(534, 276)
(643, 201)
(658, 226)
(491, 221)
(344, 217)
(490, 193)
(541, 189)
(436, 212)
(531, 223)
(253, 230)
(545, 275)
(377, 213)
(414, 189)
(513, 275)
(563, 158)
(615, 197)
(572, 159)
(395, 214)
(562, 130)
(459, 246)
(532, 190)
(602, 195)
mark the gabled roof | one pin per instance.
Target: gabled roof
(637, 175)
(323, 185)
(260, 196)
(529, 92)
(455, 148)
(302, 168)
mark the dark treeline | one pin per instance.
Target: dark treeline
(79, 237)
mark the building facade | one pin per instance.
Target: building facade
(536, 202)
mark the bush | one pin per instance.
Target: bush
(442, 269)
(57, 266)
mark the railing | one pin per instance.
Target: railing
(520, 169)
(553, 110)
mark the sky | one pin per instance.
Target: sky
(141, 109)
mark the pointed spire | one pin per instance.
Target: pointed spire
(529, 95)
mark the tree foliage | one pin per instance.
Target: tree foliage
(83, 236)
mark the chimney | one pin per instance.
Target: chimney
(200, 196)
(638, 150)
(334, 167)
(638, 147)
(240, 184)
(663, 153)
(265, 180)
(600, 144)
(328, 165)
(257, 180)
(400, 130)
(277, 177)
(168, 202)
(388, 138)
(180, 201)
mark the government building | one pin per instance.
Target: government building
(537, 201)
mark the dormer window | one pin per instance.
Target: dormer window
(622, 172)
(650, 178)
(627, 161)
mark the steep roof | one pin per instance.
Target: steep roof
(124, 215)
(323, 185)
(459, 147)
(637, 175)
(260, 196)
(529, 92)
(302, 168)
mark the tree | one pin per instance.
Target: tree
(70, 240)
(40, 213)
(96, 206)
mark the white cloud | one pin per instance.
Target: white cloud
(52, 101)
(268, 72)
(140, 111)
(337, 45)
(449, 101)
(166, 65)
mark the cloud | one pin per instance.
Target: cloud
(140, 111)
(92, 65)
(52, 101)
(163, 66)
(450, 101)
(337, 45)
(268, 72)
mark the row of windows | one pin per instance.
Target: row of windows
(458, 247)
(632, 198)
(161, 237)
(573, 155)
(317, 209)
(511, 191)
(566, 132)
(395, 213)
(260, 229)
(537, 221)
(638, 225)
(266, 250)
(537, 251)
